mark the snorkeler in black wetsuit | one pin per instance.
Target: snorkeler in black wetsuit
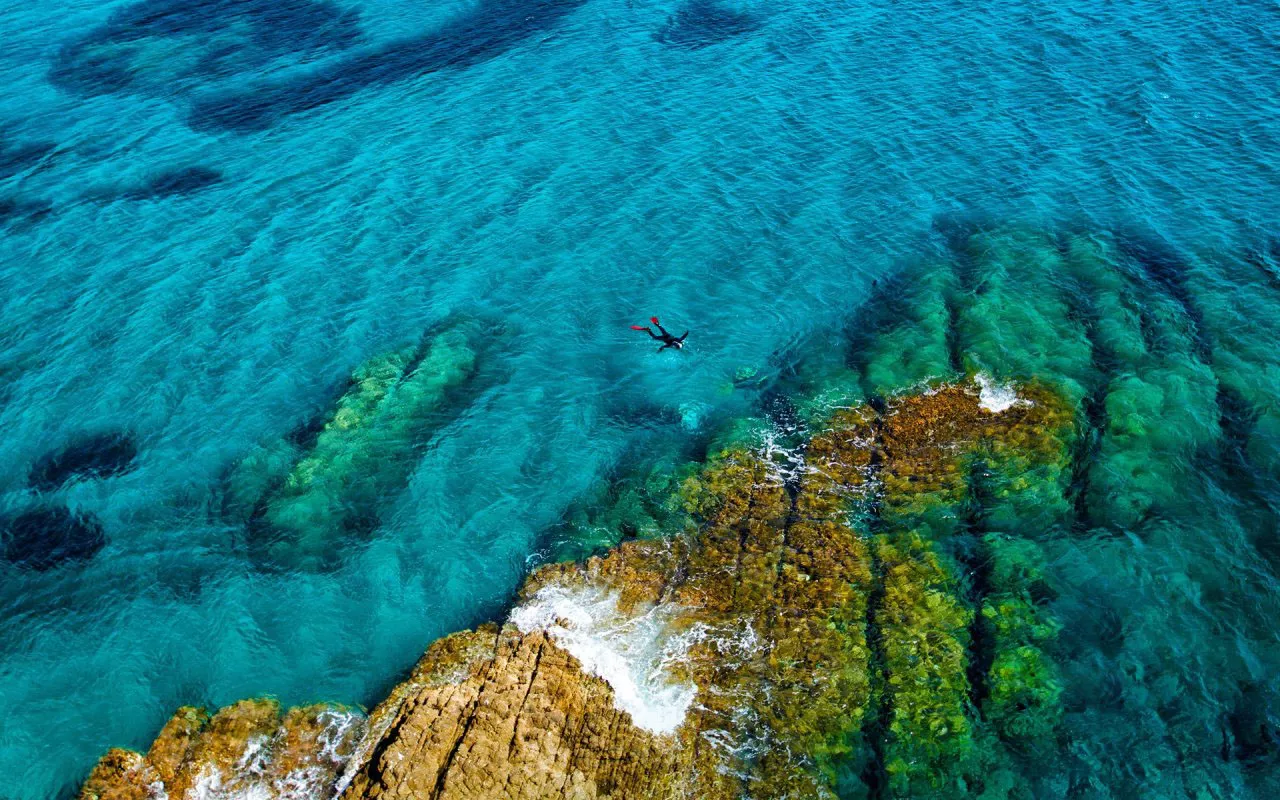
(667, 339)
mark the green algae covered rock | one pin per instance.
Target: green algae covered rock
(1013, 319)
(924, 630)
(311, 497)
(1160, 404)
(911, 349)
(644, 504)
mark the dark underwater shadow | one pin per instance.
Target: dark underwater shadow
(173, 183)
(98, 456)
(489, 31)
(21, 213)
(18, 158)
(16, 210)
(43, 538)
(166, 184)
(134, 51)
(701, 23)
(1167, 271)
(1265, 258)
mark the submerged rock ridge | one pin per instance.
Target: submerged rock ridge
(304, 495)
(810, 628)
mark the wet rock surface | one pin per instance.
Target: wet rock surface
(244, 750)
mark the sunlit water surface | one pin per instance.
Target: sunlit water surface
(214, 211)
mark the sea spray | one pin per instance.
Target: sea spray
(995, 397)
(634, 652)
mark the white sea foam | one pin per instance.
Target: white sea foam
(211, 785)
(310, 783)
(255, 757)
(995, 397)
(742, 737)
(785, 461)
(633, 653)
(733, 644)
(251, 778)
(340, 734)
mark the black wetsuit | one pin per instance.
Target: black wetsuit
(667, 339)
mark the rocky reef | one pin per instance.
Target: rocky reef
(733, 660)
(869, 602)
(97, 456)
(304, 495)
(45, 537)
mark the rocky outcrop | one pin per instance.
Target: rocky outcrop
(811, 623)
(852, 599)
(245, 750)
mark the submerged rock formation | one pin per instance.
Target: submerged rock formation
(43, 538)
(304, 495)
(860, 603)
(732, 661)
(98, 456)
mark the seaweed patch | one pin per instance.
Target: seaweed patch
(702, 23)
(98, 456)
(44, 538)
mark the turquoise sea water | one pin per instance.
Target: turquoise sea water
(213, 213)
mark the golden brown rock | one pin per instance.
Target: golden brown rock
(245, 750)
(120, 775)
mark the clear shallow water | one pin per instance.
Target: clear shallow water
(209, 225)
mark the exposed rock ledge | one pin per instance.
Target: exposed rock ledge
(809, 632)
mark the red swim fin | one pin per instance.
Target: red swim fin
(654, 320)
(638, 328)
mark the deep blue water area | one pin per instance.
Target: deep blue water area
(212, 213)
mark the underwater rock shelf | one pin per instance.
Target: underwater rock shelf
(304, 496)
(859, 607)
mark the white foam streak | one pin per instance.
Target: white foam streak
(635, 653)
(994, 397)
(337, 743)
(251, 777)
